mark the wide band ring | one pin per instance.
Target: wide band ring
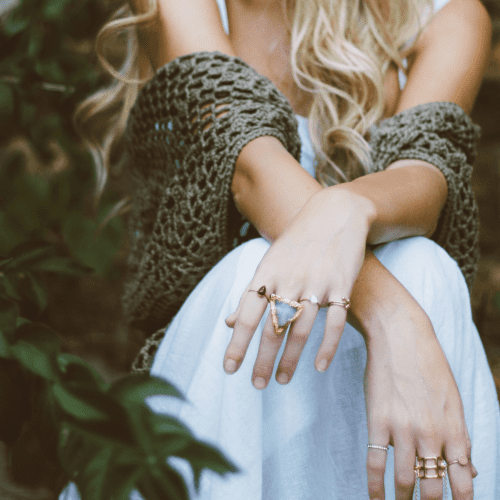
(430, 467)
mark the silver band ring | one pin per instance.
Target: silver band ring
(377, 447)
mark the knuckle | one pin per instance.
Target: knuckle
(466, 490)
(375, 489)
(434, 495)
(288, 365)
(244, 324)
(262, 370)
(405, 480)
(299, 336)
(380, 421)
(375, 464)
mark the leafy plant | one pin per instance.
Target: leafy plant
(60, 419)
(102, 436)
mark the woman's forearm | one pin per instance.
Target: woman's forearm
(270, 188)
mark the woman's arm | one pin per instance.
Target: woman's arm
(183, 27)
(447, 63)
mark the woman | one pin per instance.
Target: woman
(428, 389)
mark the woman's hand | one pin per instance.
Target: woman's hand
(413, 404)
(320, 253)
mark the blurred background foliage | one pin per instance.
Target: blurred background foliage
(47, 66)
(46, 179)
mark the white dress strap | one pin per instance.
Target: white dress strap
(223, 14)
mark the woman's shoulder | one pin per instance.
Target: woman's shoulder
(462, 20)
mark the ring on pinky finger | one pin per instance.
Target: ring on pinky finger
(376, 460)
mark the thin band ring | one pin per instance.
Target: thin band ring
(377, 447)
(461, 461)
(312, 299)
(345, 303)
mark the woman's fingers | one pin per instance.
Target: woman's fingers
(252, 307)
(231, 319)
(376, 460)
(460, 474)
(335, 322)
(296, 340)
(431, 488)
(268, 350)
(404, 468)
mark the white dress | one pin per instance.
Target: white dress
(307, 440)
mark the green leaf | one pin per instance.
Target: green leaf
(15, 23)
(161, 482)
(8, 286)
(4, 262)
(203, 456)
(8, 316)
(27, 254)
(36, 292)
(76, 370)
(121, 478)
(36, 349)
(86, 462)
(35, 43)
(53, 9)
(74, 406)
(136, 388)
(62, 265)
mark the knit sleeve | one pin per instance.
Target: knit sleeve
(442, 134)
(184, 135)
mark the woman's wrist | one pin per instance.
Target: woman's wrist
(363, 208)
(378, 299)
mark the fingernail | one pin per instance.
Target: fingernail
(259, 383)
(322, 365)
(282, 378)
(230, 366)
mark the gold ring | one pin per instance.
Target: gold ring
(430, 467)
(345, 303)
(283, 312)
(462, 461)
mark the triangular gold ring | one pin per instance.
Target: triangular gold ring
(283, 312)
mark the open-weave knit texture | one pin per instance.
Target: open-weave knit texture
(442, 134)
(184, 135)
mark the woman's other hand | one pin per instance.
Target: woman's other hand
(320, 254)
(412, 403)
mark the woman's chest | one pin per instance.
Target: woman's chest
(260, 35)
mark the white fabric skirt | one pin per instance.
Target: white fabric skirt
(307, 440)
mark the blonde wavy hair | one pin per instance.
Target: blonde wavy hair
(340, 52)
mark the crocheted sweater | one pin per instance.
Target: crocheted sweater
(184, 135)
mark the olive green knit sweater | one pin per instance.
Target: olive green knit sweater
(184, 134)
